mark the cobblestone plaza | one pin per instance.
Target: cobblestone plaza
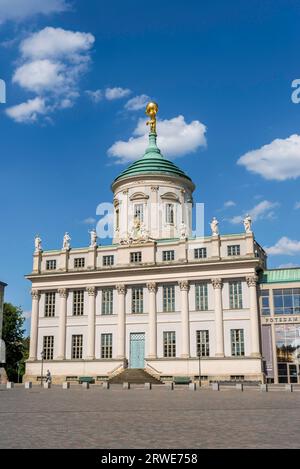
(139, 418)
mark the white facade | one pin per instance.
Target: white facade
(156, 298)
(219, 317)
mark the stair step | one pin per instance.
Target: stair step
(134, 376)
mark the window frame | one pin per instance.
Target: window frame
(235, 294)
(77, 347)
(168, 253)
(201, 301)
(202, 342)
(48, 347)
(169, 300)
(107, 304)
(169, 344)
(106, 350)
(237, 342)
(50, 304)
(78, 303)
(137, 304)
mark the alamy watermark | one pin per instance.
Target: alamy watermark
(2, 92)
(295, 96)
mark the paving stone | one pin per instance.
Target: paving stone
(156, 419)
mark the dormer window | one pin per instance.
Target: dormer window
(170, 213)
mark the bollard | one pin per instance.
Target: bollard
(66, 385)
(148, 386)
(289, 387)
(85, 385)
(28, 384)
(239, 386)
(192, 386)
(47, 385)
(215, 387)
(170, 385)
(105, 385)
(10, 385)
(126, 385)
(264, 388)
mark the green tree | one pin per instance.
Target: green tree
(13, 336)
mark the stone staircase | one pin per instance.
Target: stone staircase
(134, 376)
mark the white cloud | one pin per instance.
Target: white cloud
(95, 96)
(27, 112)
(284, 246)
(137, 103)
(18, 10)
(40, 76)
(279, 160)
(52, 63)
(175, 138)
(116, 93)
(297, 206)
(229, 204)
(89, 221)
(289, 265)
(263, 210)
(57, 43)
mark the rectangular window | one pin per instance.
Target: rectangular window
(202, 343)
(201, 299)
(48, 347)
(265, 302)
(108, 260)
(170, 213)
(169, 344)
(233, 250)
(135, 257)
(79, 262)
(107, 301)
(237, 342)
(78, 302)
(137, 300)
(106, 345)
(51, 265)
(168, 255)
(77, 341)
(200, 253)
(286, 300)
(235, 295)
(169, 298)
(139, 212)
(50, 304)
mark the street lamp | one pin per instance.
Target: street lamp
(18, 366)
(42, 357)
(199, 357)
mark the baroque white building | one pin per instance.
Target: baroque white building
(156, 298)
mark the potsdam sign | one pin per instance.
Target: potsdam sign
(275, 320)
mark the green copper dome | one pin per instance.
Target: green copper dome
(152, 162)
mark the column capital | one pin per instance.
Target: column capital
(252, 280)
(63, 292)
(152, 287)
(121, 288)
(125, 191)
(184, 285)
(35, 294)
(154, 188)
(91, 291)
(217, 283)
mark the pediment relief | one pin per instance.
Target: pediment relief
(139, 196)
(170, 196)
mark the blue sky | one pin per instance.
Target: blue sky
(227, 66)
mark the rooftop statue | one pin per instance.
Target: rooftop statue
(37, 244)
(94, 237)
(214, 227)
(66, 241)
(151, 111)
(247, 223)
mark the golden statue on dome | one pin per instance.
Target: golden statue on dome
(151, 111)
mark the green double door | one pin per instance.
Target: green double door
(137, 350)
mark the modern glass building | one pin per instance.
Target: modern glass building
(280, 321)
